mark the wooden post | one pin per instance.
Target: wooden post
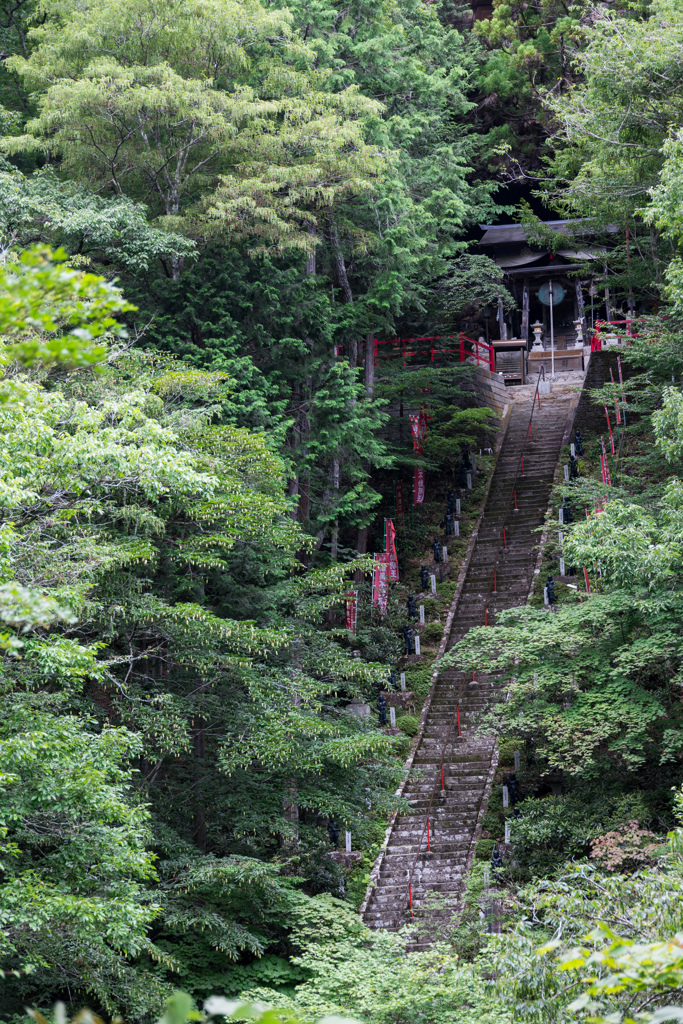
(580, 308)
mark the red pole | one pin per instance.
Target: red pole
(505, 543)
(486, 620)
(616, 406)
(492, 359)
(515, 494)
(523, 474)
(609, 426)
(538, 396)
(410, 898)
(429, 848)
(588, 586)
(457, 709)
(442, 785)
(531, 434)
(462, 347)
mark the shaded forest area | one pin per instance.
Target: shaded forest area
(209, 210)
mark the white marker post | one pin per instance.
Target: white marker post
(562, 572)
(469, 481)
(487, 875)
(561, 516)
(348, 842)
(457, 506)
(506, 801)
(517, 760)
(560, 539)
(422, 615)
(417, 645)
(572, 449)
(456, 528)
(444, 553)
(545, 596)
(507, 832)
(433, 579)
(474, 463)
(392, 717)
(566, 474)
(403, 682)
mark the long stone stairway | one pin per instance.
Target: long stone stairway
(438, 874)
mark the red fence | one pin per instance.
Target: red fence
(607, 325)
(408, 348)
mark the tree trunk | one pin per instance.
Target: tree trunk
(525, 311)
(369, 363)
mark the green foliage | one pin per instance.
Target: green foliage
(408, 724)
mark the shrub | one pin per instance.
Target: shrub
(484, 849)
(409, 724)
(433, 632)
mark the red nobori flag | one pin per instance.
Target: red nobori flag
(419, 486)
(390, 546)
(423, 423)
(399, 498)
(415, 430)
(352, 611)
(380, 582)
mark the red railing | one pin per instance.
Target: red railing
(596, 341)
(430, 352)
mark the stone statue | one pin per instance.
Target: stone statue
(496, 859)
(449, 525)
(411, 606)
(550, 587)
(333, 830)
(409, 640)
(462, 477)
(436, 547)
(382, 709)
(578, 443)
(450, 499)
(424, 578)
(573, 468)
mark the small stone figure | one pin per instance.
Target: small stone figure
(411, 606)
(550, 587)
(578, 443)
(567, 516)
(382, 709)
(393, 680)
(573, 467)
(424, 577)
(496, 859)
(333, 830)
(449, 525)
(450, 499)
(436, 547)
(462, 477)
(513, 789)
(466, 460)
(409, 640)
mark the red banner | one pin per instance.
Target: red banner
(399, 498)
(351, 611)
(419, 486)
(380, 582)
(423, 423)
(390, 548)
(415, 430)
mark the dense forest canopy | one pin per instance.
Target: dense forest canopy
(209, 212)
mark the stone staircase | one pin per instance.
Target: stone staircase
(469, 760)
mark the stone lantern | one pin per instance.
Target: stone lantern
(537, 328)
(578, 327)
